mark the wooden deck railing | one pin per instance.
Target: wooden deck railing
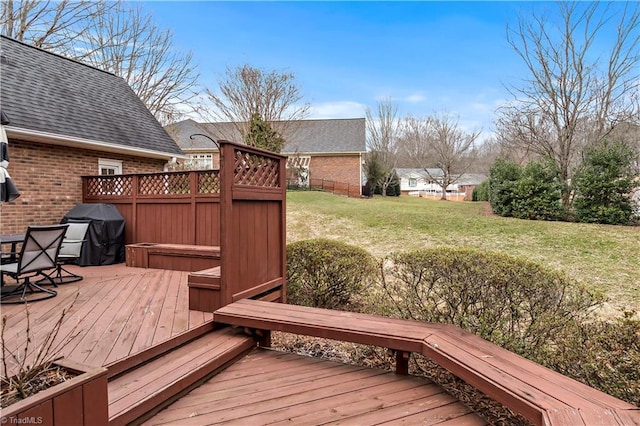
(240, 209)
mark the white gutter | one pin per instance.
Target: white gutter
(75, 142)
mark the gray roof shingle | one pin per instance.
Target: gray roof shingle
(307, 136)
(44, 92)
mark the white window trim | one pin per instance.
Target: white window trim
(105, 163)
(203, 161)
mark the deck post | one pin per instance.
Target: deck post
(402, 362)
(264, 338)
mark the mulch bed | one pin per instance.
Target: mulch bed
(12, 391)
(373, 357)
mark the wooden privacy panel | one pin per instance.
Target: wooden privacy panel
(257, 245)
(168, 207)
(253, 238)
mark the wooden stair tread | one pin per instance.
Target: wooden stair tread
(150, 386)
(210, 272)
(209, 279)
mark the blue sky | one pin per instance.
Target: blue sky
(426, 56)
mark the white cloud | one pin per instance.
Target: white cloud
(415, 98)
(338, 109)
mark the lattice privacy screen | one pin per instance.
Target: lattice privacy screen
(256, 170)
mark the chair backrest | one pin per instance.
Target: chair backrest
(73, 239)
(40, 248)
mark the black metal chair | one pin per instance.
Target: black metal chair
(38, 254)
(70, 252)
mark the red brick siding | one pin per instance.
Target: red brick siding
(48, 178)
(344, 169)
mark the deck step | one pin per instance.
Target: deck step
(204, 290)
(121, 366)
(207, 278)
(143, 391)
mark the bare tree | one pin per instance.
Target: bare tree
(127, 43)
(382, 141)
(439, 141)
(50, 25)
(414, 143)
(111, 36)
(245, 91)
(578, 91)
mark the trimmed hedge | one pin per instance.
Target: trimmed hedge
(522, 306)
(511, 302)
(325, 273)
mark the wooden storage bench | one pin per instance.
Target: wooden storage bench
(177, 257)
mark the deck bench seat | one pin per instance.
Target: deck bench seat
(541, 395)
(178, 257)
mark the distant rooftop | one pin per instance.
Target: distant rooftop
(307, 136)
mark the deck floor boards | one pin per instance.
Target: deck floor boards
(271, 387)
(117, 313)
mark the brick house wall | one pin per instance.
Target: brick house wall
(48, 178)
(342, 169)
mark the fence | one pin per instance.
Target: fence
(336, 187)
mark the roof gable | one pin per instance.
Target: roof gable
(46, 93)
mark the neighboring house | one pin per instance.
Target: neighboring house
(331, 150)
(66, 120)
(423, 182)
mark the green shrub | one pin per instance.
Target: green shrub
(604, 185)
(531, 192)
(511, 302)
(327, 274)
(538, 192)
(481, 192)
(602, 354)
(503, 176)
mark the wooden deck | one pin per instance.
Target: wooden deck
(120, 311)
(270, 387)
(136, 322)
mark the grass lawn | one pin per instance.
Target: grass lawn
(604, 257)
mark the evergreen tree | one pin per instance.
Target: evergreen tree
(604, 185)
(261, 135)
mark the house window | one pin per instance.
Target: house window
(109, 167)
(413, 182)
(202, 161)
